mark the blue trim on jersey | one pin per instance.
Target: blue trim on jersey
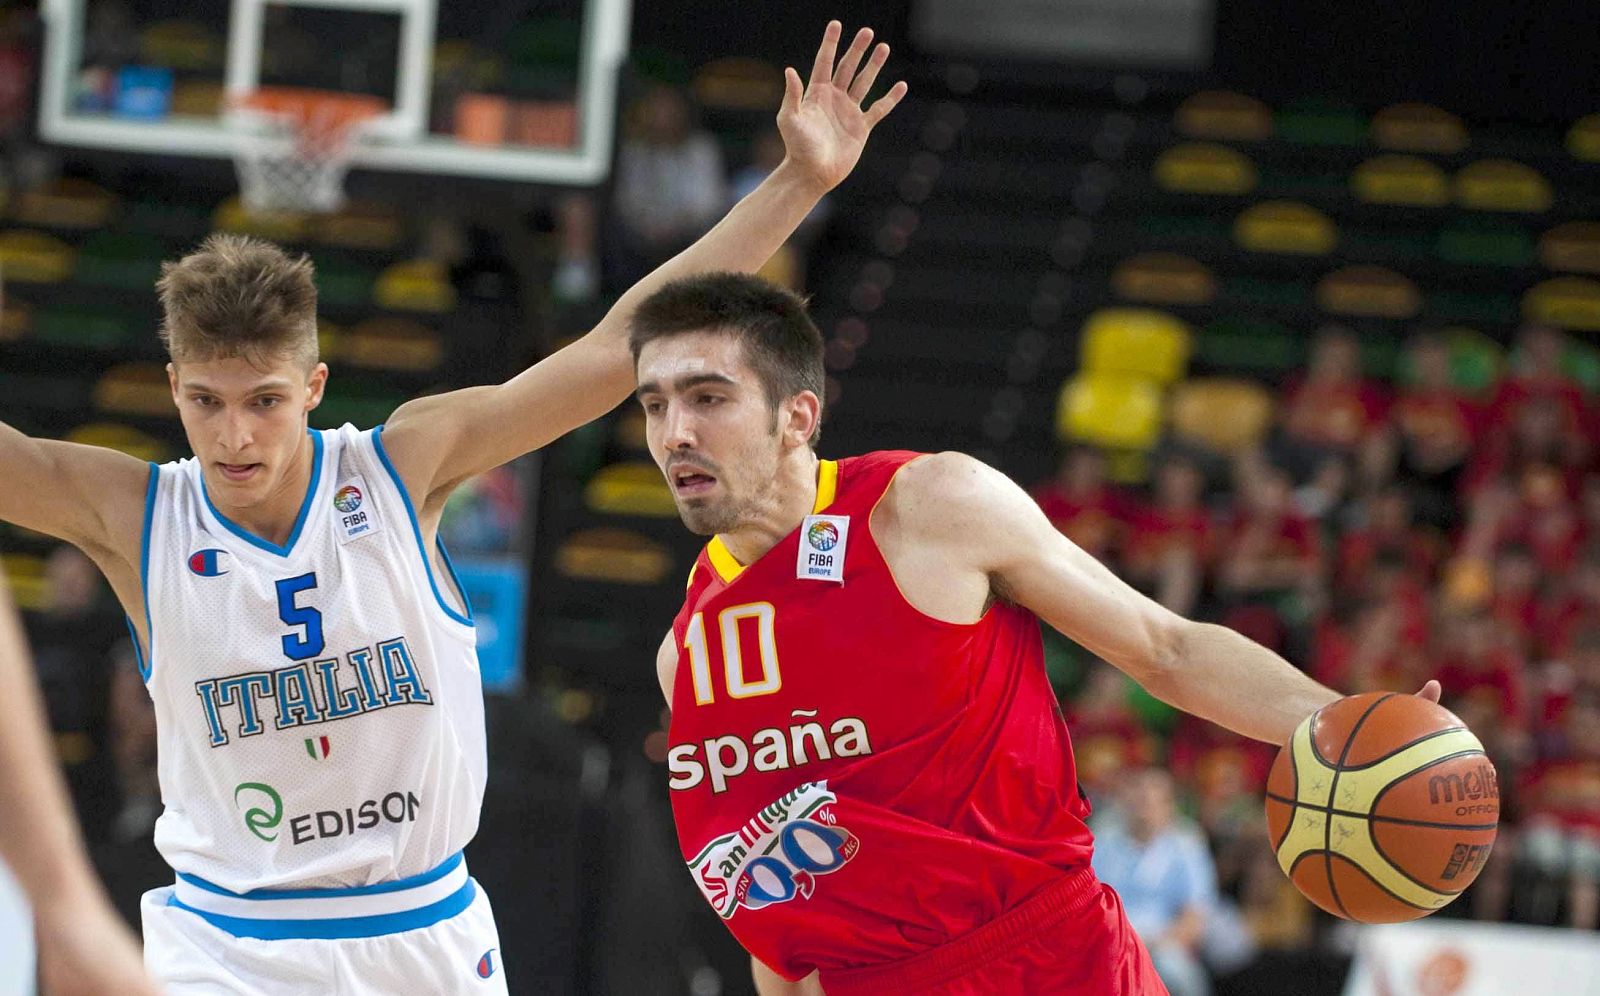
(444, 868)
(341, 929)
(147, 661)
(300, 520)
(455, 579)
(416, 530)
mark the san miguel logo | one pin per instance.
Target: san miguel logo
(777, 855)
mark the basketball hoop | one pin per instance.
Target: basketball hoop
(292, 146)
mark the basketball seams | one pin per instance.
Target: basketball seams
(1384, 888)
(1403, 747)
(1294, 780)
(1333, 789)
(1374, 818)
(1397, 867)
(1421, 768)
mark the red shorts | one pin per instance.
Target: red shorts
(1068, 939)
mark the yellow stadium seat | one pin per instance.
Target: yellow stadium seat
(360, 226)
(197, 99)
(67, 203)
(278, 226)
(1573, 247)
(1418, 128)
(615, 555)
(1583, 139)
(181, 44)
(1164, 278)
(1502, 185)
(330, 339)
(16, 318)
(1369, 292)
(634, 488)
(418, 285)
(135, 389)
(739, 84)
(1112, 410)
(1394, 179)
(122, 438)
(1571, 302)
(1285, 226)
(1204, 168)
(1225, 115)
(34, 257)
(1139, 342)
(1222, 413)
(392, 344)
(25, 574)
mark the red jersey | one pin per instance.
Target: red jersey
(855, 782)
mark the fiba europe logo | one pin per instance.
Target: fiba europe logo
(823, 536)
(257, 818)
(347, 499)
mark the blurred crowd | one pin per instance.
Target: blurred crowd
(1383, 534)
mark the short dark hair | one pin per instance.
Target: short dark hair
(781, 342)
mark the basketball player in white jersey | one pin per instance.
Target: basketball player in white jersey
(84, 946)
(310, 656)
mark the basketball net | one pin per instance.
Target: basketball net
(292, 146)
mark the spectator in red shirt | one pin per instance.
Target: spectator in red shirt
(1515, 602)
(1168, 539)
(1080, 503)
(1574, 673)
(1377, 643)
(1561, 797)
(1329, 410)
(1537, 374)
(1269, 548)
(1577, 609)
(1432, 431)
(1479, 660)
(1532, 455)
(1107, 738)
(1388, 528)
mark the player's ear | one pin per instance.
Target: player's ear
(316, 383)
(172, 381)
(804, 413)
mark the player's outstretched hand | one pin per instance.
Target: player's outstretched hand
(1430, 691)
(823, 122)
(87, 950)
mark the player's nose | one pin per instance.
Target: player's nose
(678, 433)
(234, 431)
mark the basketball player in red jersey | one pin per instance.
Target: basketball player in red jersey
(871, 780)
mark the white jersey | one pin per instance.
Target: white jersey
(319, 708)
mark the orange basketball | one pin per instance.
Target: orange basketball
(1382, 807)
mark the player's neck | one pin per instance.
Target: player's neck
(273, 517)
(780, 510)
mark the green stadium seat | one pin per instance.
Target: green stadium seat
(1368, 292)
(84, 326)
(1502, 185)
(124, 260)
(1224, 115)
(618, 556)
(1205, 168)
(1264, 292)
(1570, 302)
(1581, 362)
(362, 403)
(1319, 122)
(1477, 242)
(342, 285)
(1475, 360)
(1285, 227)
(1408, 180)
(1572, 248)
(1473, 307)
(1164, 278)
(1418, 128)
(1138, 342)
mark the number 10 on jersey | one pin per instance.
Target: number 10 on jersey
(763, 617)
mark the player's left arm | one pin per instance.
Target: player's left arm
(439, 441)
(988, 525)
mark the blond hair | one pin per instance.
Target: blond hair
(236, 296)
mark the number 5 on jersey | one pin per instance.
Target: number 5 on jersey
(295, 646)
(729, 622)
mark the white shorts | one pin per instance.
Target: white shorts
(420, 935)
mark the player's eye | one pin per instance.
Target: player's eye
(270, 401)
(654, 407)
(709, 399)
(204, 400)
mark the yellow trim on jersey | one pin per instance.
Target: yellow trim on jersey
(727, 565)
(694, 569)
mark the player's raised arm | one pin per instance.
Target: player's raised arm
(89, 496)
(84, 948)
(984, 521)
(439, 441)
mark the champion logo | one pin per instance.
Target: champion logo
(317, 747)
(207, 563)
(486, 964)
